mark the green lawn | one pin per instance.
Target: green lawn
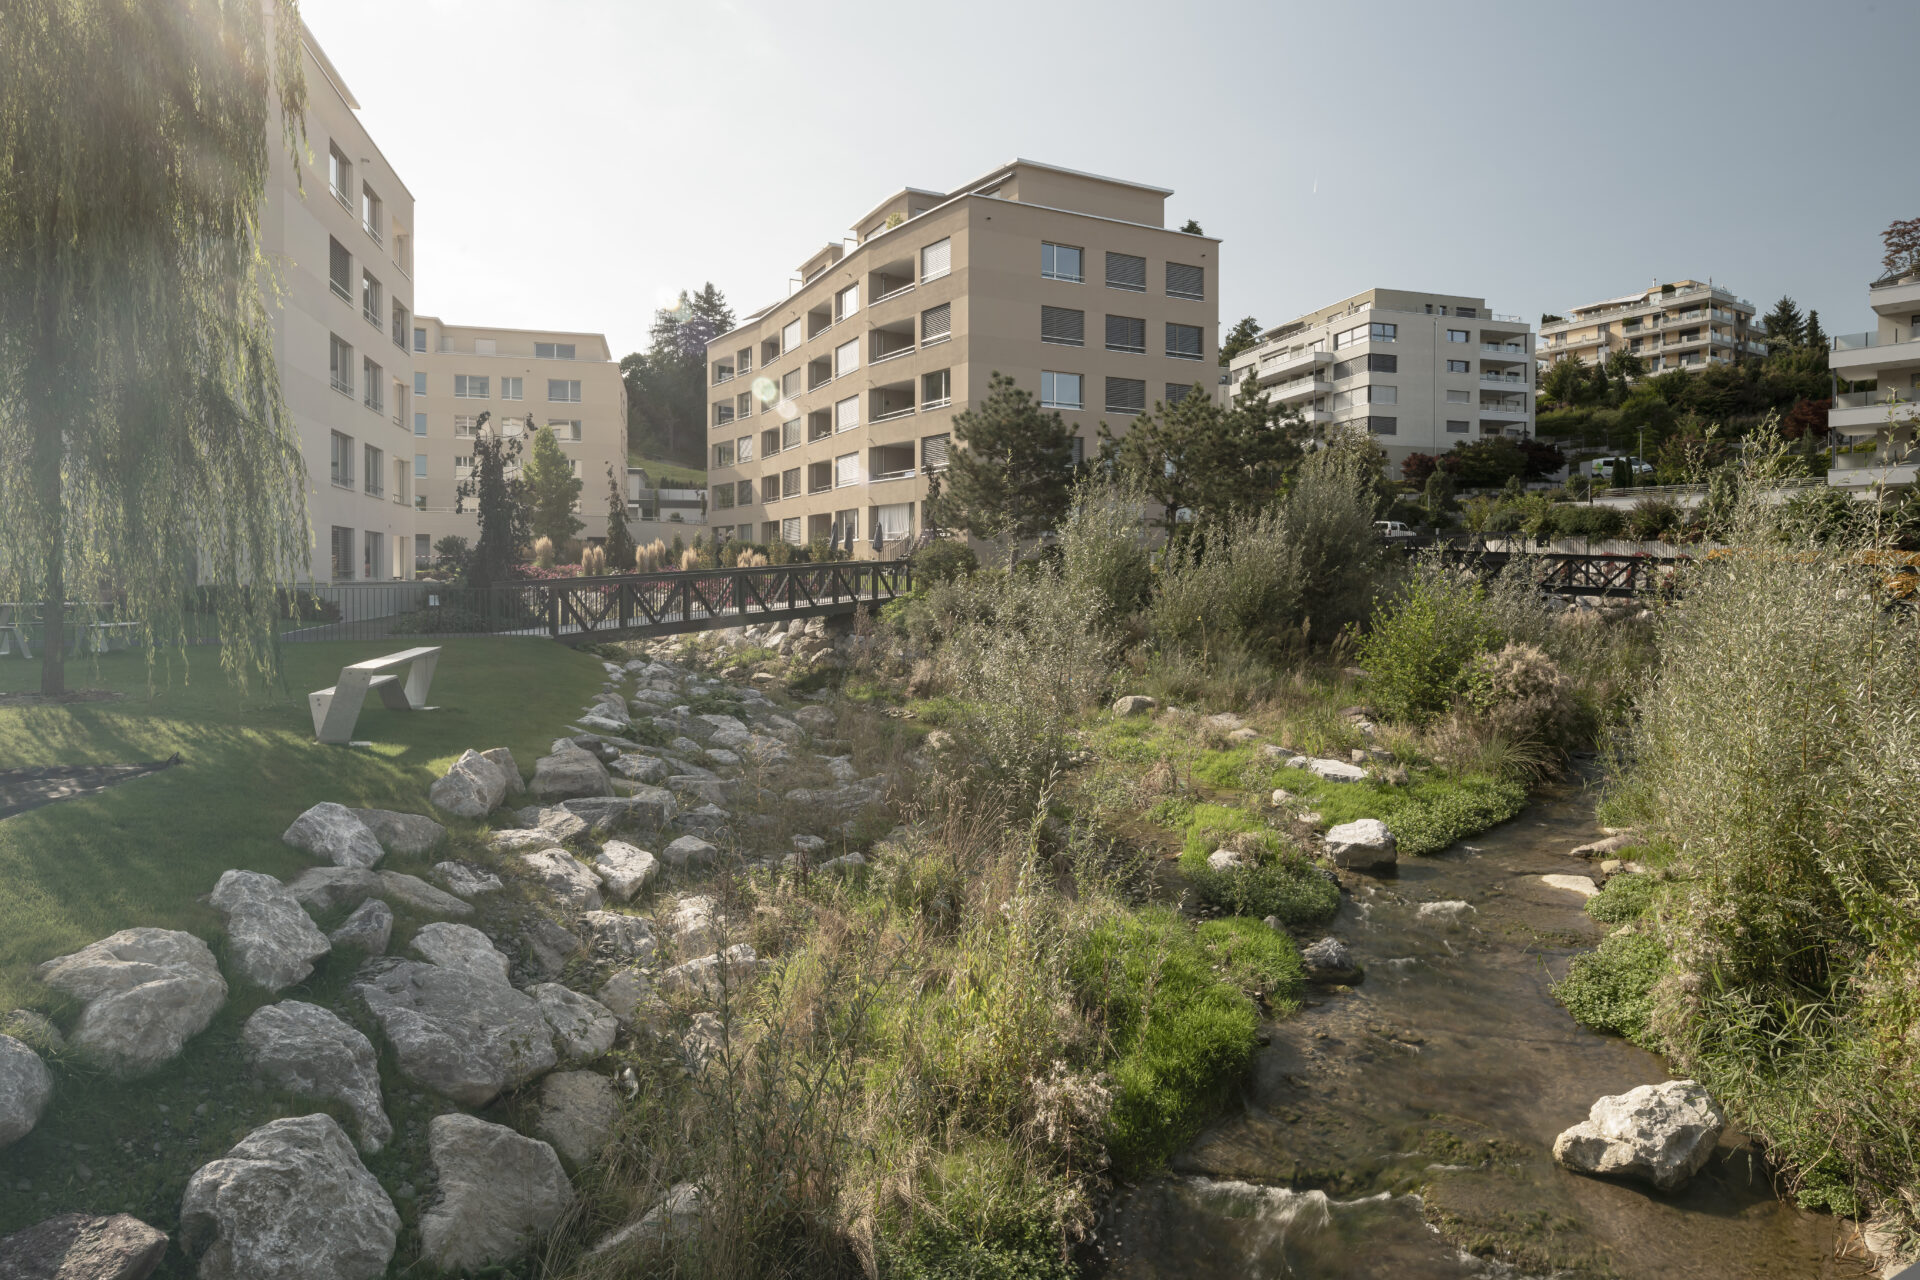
(144, 852)
(669, 475)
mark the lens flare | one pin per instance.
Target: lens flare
(766, 390)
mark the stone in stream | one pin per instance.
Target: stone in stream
(403, 833)
(1327, 960)
(1582, 885)
(1601, 848)
(462, 947)
(332, 833)
(1452, 911)
(308, 1050)
(26, 1086)
(83, 1246)
(1661, 1133)
(1362, 845)
(472, 787)
(147, 992)
(465, 1036)
(497, 1190)
(274, 941)
(290, 1201)
(369, 928)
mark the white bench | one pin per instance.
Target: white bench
(11, 634)
(335, 710)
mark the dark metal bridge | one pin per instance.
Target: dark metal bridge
(1584, 575)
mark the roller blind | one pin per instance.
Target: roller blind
(1126, 395)
(936, 322)
(846, 469)
(1124, 271)
(1126, 333)
(1063, 326)
(1184, 281)
(933, 450)
(936, 259)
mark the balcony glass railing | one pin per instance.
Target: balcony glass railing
(1871, 399)
(1856, 341)
(1510, 378)
(1505, 348)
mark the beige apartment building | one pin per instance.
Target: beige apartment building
(525, 379)
(337, 232)
(832, 409)
(1419, 372)
(1888, 356)
(1685, 324)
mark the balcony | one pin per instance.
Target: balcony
(1299, 389)
(1862, 412)
(819, 372)
(890, 341)
(1890, 467)
(1517, 350)
(819, 320)
(1505, 379)
(1857, 356)
(1279, 364)
(819, 477)
(1505, 409)
(890, 462)
(1899, 296)
(891, 402)
(891, 279)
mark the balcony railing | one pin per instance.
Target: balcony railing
(897, 413)
(1857, 341)
(1505, 348)
(878, 476)
(1497, 318)
(894, 293)
(1514, 379)
(895, 354)
(1873, 399)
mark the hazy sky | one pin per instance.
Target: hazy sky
(577, 162)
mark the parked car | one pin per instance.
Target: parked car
(1392, 529)
(1604, 466)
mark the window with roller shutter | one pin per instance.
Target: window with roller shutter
(790, 483)
(1124, 271)
(846, 414)
(790, 434)
(933, 451)
(936, 260)
(1177, 391)
(1126, 395)
(846, 470)
(936, 324)
(846, 358)
(1184, 341)
(1184, 281)
(1063, 326)
(1127, 333)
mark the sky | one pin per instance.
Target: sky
(576, 163)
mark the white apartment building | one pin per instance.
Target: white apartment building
(524, 379)
(1419, 372)
(1889, 357)
(1684, 324)
(337, 232)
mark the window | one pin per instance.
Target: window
(1383, 394)
(936, 324)
(790, 384)
(464, 426)
(1079, 451)
(373, 394)
(563, 390)
(371, 473)
(1127, 333)
(1063, 326)
(567, 429)
(1459, 397)
(790, 530)
(743, 405)
(512, 389)
(936, 260)
(339, 178)
(342, 460)
(1366, 333)
(723, 455)
(790, 434)
(1343, 369)
(846, 302)
(1458, 366)
(790, 337)
(1467, 313)
(419, 338)
(1383, 364)
(1124, 271)
(419, 466)
(419, 424)
(723, 497)
(422, 550)
(339, 269)
(400, 318)
(790, 483)
(743, 448)
(769, 442)
(1380, 426)
(1060, 391)
(1126, 395)
(462, 462)
(1456, 426)
(399, 403)
(936, 389)
(370, 297)
(470, 386)
(370, 215)
(553, 351)
(370, 553)
(1060, 262)
(403, 252)
(1456, 335)
(846, 358)
(1184, 281)
(846, 414)
(743, 492)
(846, 470)
(933, 451)
(1184, 341)
(342, 552)
(894, 520)
(419, 384)
(744, 361)
(340, 364)
(1177, 391)
(723, 413)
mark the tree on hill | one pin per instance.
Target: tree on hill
(1242, 337)
(1785, 326)
(619, 545)
(145, 448)
(1013, 474)
(667, 383)
(553, 491)
(1811, 334)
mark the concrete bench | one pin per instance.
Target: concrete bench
(335, 710)
(12, 635)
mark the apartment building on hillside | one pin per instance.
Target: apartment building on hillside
(1685, 324)
(337, 231)
(831, 410)
(1888, 356)
(1419, 372)
(524, 379)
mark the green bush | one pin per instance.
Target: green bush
(945, 559)
(1622, 899)
(1653, 519)
(1611, 989)
(1572, 520)
(1417, 647)
(992, 1219)
(1102, 550)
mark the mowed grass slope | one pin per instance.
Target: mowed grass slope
(144, 852)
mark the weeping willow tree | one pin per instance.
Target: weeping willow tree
(146, 456)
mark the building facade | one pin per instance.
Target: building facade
(1888, 356)
(1419, 372)
(831, 411)
(337, 233)
(1686, 324)
(524, 379)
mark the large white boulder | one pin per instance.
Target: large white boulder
(1362, 845)
(332, 833)
(565, 877)
(369, 928)
(83, 1246)
(1331, 770)
(578, 1110)
(502, 759)
(621, 937)
(585, 1027)
(497, 1191)
(709, 973)
(147, 992)
(467, 1037)
(570, 771)
(330, 888)
(291, 1201)
(403, 833)
(1661, 1133)
(1134, 704)
(472, 787)
(308, 1050)
(26, 1086)
(467, 879)
(695, 925)
(462, 947)
(274, 942)
(690, 853)
(626, 868)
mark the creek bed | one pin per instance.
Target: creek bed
(1404, 1127)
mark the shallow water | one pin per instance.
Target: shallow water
(1431, 1092)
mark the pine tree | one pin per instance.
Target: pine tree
(501, 502)
(553, 491)
(1241, 337)
(1013, 474)
(619, 540)
(667, 383)
(1192, 228)
(1812, 335)
(1786, 328)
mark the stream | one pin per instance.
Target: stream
(1432, 1091)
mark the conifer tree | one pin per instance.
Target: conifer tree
(500, 501)
(1786, 328)
(1013, 474)
(553, 491)
(619, 539)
